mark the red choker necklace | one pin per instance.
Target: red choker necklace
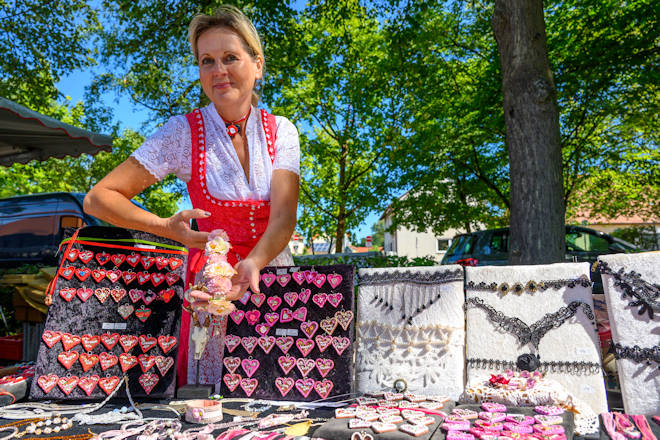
(232, 126)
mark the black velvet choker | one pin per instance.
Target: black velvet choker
(641, 293)
(530, 286)
(637, 354)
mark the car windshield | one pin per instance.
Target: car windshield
(461, 245)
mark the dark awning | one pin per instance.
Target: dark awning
(26, 135)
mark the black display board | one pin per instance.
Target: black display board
(116, 311)
(294, 341)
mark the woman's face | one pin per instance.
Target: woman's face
(227, 71)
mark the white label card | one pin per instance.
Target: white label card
(114, 326)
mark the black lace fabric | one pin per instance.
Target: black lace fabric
(640, 293)
(637, 353)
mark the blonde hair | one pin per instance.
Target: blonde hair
(228, 16)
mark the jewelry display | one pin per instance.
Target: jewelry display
(637, 354)
(639, 292)
(203, 411)
(13, 429)
(262, 406)
(576, 367)
(530, 286)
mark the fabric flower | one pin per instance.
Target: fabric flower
(220, 307)
(528, 362)
(218, 243)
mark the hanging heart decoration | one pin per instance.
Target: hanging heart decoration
(344, 318)
(305, 365)
(82, 273)
(109, 340)
(88, 360)
(107, 360)
(171, 278)
(249, 343)
(231, 342)
(284, 385)
(266, 343)
(324, 366)
(283, 279)
(67, 272)
(67, 358)
(268, 279)
(250, 366)
(102, 293)
(127, 342)
(290, 298)
(309, 328)
(113, 275)
(84, 293)
(127, 361)
(231, 363)
(175, 263)
(128, 276)
(47, 382)
(90, 341)
(249, 385)
(69, 341)
(68, 293)
(257, 299)
(86, 256)
(72, 255)
(143, 277)
(245, 298)
(147, 261)
(142, 313)
(284, 343)
(157, 278)
(286, 315)
(305, 346)
(146, 362)
(334, 280)
(135, 295)
(323, 342)
(117, 294)
(125, 310)
(319, 280)
(310, 276)
(161, 262)
(286, 363)
(108, 384)
(98, 275)
(237, 316)
(88, 383)
(148, 297)
(298, 277)
(102, 258)
(305, 386)
(319, 299)
(329, 325)
(334, 299)
(232, 381)
(274, 302)
(166, 295)
(147, 342)
(252, 316)
(133, 259)
(323, 388)
(262, 329)
(340, 344)
(300, 314)
(67, 384)
(271, 318)
(51, 337)
(164, 363)
(166, 342)
(117, 259)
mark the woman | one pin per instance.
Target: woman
(241, 165)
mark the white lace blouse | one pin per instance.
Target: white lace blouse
(169, 151)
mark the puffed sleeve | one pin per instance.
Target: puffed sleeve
(168, 150)
(287, 146)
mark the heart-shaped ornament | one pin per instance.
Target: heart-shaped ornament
(300, 314)
(266, 343)
(127, 361)
(286, 315)
(128, 276)
(262, 329)
(283, 279)
(88, 383)
(148, 381)
(135, 295)
(324, 366)
(157, 278)
(125, 310)
(284, 343)
(113, 275)
(305, 386)
(252, 316)
(268, 279)
(231, 363)
(107, 360)
(69, 341)
(148, 297)
(118, 259)
(67, 384)
(68, 293)
(88, 361)
(249, 343)
(340, 344)
(142, 313)
(90, 341)
(274, 302)
(147, 261)
(323, 388)
(334, 299)
(257, 299)
(166, 295)
(329, 325)
(102, 293)
(72, 255)
(286, 363)
(51, 337)
(164, 363)
(47, 382)
(334, 280)
(82, 273)
(84, 293)
(232, 381)
(171, 278)
(310, 276)
(319, 280)
(161, 262)
(127, 342)
(319, 299)
(284, 385)
(67, 358)
(249, 385)
(117, 294)
(304, 295)
(175, 263)
(143, 277)
(305, 365)
(166, 342)
(133, 259)
(108, 384)
(344, 318)
(271, 318)
(232, 342)
(98, 275)
(298, 277)
(291, 298)
(250, 366)
(146, 362)
(237, 316)
(86, 256)
(102, 257)
(309, 328)
(305, 346)
(147, 343)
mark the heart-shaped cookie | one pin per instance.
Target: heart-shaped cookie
(67, 358)
(67, 384)
(232, 342)
(324, 366)
(284, 385)
(305, 386)
(334, 280)
(249, 343)
(146, 362)
(102, 257)
(142, 313)
(266, 343)
(166, 343)
(298, 277)
(90, 341)
(268, 279)
(305, 365)
(98, 275)
(88, 360)
(108, 383)
(323, 342)
(164, 363)
(305, 346)
(102, 293)
(128, 276)
(286, 363)
(284, 343)
(127, 361)
(323, 388)
(125, 310)
(237, 316)
(171, 278)
(107, 360)
(86, 256)
(117, 259)
(319, 280)
(133, 259)
(72, 255)
(68, 293)
(147, 342)
(69, 341)
(291, 298)
(84, 293)
(175, 263)
(148, 381)
(274, 302)
(47, 382)
(82, 273)
(88, 383)
(257, 299)
(232, 381)
(51, 337)
(250, 366)
(249, 385)
(309, 328)
(231, 363)
(117, 294)
(127, 342)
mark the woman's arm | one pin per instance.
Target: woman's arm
(110, 198)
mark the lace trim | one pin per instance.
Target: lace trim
(580, 367)
(408, 276)
(641, 293)
(530, 286)
(532, 334)
(404, 337)
(637, 353)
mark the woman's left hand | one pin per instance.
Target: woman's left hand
(247, 276)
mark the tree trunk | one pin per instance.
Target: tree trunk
(532, 133)
(341, 231)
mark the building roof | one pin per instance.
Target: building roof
(619, 220)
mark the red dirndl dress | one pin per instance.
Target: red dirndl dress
(244, 221)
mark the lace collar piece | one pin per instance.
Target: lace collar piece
(639, 292)
(530, 286)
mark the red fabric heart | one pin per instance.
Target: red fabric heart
(109, 340)
(166, 342)
(82, 273)
(146, 362)
(127, 361)
(72, 255)
(147, 261)
(166, 295)
(161, 262)
(128, 276)
(147, 343)
(118, 259)
(133, 259)
(67, 358)
(175, 263)
(108, 384)
(171, 278)
(84, 293)
(88, 383)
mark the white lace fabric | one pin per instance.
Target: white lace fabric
(169, 151)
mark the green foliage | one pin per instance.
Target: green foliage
(370, 261)
(646, 237)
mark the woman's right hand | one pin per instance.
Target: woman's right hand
(178, 228)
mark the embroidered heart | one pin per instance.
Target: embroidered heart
(72, 255)
(334, 280)
(231, 342)
(245, 298)
(118, 259)
(262, 329)
(310, 276)
(291, 298)
(249, 385)
(108, 384)
(107, 360)
(304, 295)
(127, 361)
(47, 382)
(147, 261)
(319, 299)
(67, 384)
(148, 381)
(344, 318)
(157, 278)
(300, 314)
(146, 343)
(148, 297)
(84, 293)
(252, 316)
(102, 258)
(284, 385)
(133, 259)
(164, 363)
(82, 273)
(305, 346)
(232, 381)
(268, 279)
(231, 363)
(146, 362)
(274, 302)
(257, 299)
(286, 315)
(167, 295)
(171, 278)
(304, 386)
(298, 277)
(68, 293)
(143, 277)
(88, 383)
(284, 343)
(89, 341)
(283, 279)
(286, 363)
(135, 295)
(88, 360)
(67, 272)
(128, 276)
(117, 294)
(266, 343)
(175, 263)
(113, 275)
(335, 298)
(161, 262)
(309, 328)
(340, 344)
(237, 316)
(324, 366)
(305, 365)
(249, 343)
(142, 313)
(319, 280)
(86, 256)
(125, 310)
(69, 341)
(323, 388)
(250, 366)
(271, 318)
(51, 338)
(166, 342)
(67, 358)
(98, 275)
(127, 342)
(102, 293)
(329, 325)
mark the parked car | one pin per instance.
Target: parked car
(491, 248)
(32, 226)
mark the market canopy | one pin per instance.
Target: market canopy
(26, 135)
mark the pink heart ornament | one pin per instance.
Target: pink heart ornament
(334, 280)
(319, 280)
(305, 365)
(305, 386)
(304, 295)
(252, 316)
(305, 346)
(284, 343)
(284, 385)
(283, 279)
(323, 388)
(298, 277)
(340, 344)
(262, 329)
(335, 298)
(266, 343)
(286, 363)
(271, 318)
(249, 343)
(290, 298)
(324, 366)
(250, 366)
(237, 316)
(319, 299)
(249, 385)
(286, 315)
(300, 314)
(231, 342)
(268, 279)
(309, 328)
(310, 276)
(274, 302)
(258, 299)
